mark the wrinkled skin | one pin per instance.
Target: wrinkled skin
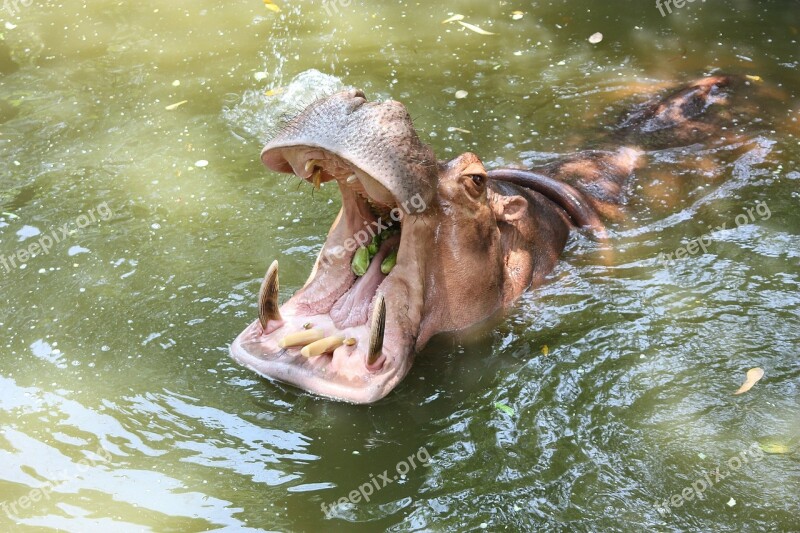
(469, 244)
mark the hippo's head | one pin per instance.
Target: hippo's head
(435, 234)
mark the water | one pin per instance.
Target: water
(115, 342)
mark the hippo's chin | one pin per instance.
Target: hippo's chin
(343, 336)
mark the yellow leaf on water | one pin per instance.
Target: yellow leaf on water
(753, 375)
(753, 78)
(774, 447)
(454, 18)
(503, 407)
(273, 92)
(271, 6)
(476, 29)
(545, 350)
(175, 106)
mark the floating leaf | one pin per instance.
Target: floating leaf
(453, 128)
(271, 6)
(753, 375)
(172, 107)
(774, 447)
(731, 502)
(545, 350)
(596, 38)
(503, 407)
(273, 92)
(516, 15)
(454, 18)
(753, 78)
(9, 215)
(476, 29)
(461, 94)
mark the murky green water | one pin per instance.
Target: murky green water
(115, 342)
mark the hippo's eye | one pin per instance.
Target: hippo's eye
(474, 184)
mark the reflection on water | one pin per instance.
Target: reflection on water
(48, 446)
(119, 407)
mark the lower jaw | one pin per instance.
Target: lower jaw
(342, 375)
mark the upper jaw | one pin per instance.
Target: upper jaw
(377, 140)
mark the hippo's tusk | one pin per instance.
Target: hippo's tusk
(376, 331)
(326, 345)
(301, 338)
(268, 308)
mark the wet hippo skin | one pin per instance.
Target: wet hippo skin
(467, 240)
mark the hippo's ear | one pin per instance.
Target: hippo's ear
(509, 208)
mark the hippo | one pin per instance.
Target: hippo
(422, 246)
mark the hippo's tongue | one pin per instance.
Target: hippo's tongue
(352, 309)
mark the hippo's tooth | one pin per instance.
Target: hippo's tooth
(376, 331)
(326, 345)
(316, 178)
(301, 338)
(313, 166)
(268, 308)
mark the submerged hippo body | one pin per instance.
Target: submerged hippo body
(468, 241)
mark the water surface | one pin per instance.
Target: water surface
(115, 342)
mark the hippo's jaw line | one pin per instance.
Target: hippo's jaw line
(337, 302)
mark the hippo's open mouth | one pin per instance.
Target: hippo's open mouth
(350, 332)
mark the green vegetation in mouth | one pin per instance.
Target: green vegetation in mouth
(374, 245)
(389, 262)
(363, 256)
(361, 261)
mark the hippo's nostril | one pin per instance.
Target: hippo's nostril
(357, 99)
